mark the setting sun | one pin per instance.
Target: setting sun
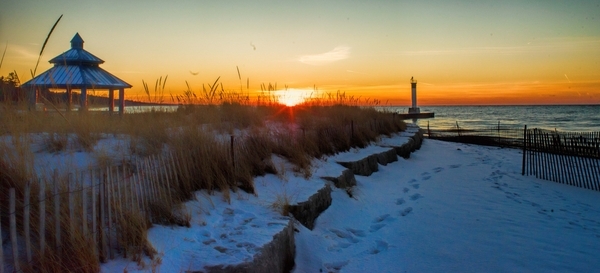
(292, 97)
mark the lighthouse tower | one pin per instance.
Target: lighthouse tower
(414, 109)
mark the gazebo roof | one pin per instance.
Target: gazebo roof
(76, 69)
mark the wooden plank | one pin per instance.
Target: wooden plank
(84, 211)
(13, 229)
(26, 217)
(551, 159)
(118, 184)
(127, 193)
(136, 191)
(57, 239)
(166, 174)
(152, 180)
(554, 158)
(157, 182)
(559, 158)
(109, 198)
(531, 151)
(104, 241)
(143, 183)
(42, 209)
(544, 156)
(524, 148)
(536, 154)
(574, 164)
(586, 168)
(138, 188)
(70, 192)
(94, 213)
(177, 174)
(568, 158)
(1, 248)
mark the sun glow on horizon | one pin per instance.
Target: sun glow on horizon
(292, 97)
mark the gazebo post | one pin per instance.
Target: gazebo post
(111, 101)
(83, 99)
(33, 97)
(69, 98)
(121, 101)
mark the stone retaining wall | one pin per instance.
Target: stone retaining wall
(279, 254)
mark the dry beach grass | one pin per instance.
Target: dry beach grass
(200, 139)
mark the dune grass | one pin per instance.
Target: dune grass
(215, 147)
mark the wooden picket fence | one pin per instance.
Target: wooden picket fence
(564, 157)
(94, 200)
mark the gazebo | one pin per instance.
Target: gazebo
(77, 69)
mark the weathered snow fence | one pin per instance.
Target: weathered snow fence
(92, 203)
(567, 158)
(87, 205)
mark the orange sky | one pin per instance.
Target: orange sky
(461, 52)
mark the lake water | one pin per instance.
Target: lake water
(571, 118)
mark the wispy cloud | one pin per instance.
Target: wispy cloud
(21, 52)
(337, 54)
(352, 71)
(541, 45)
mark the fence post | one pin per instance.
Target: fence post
(232, 153)
(428, 131)
(56, 211)
(71, 200)
(524, 150)
(103, 191)
(111, 206)
(26, 220)
(84, 214)
(42, 205)
(1, 248)
(94, 213)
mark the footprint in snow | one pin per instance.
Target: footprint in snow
(425, 178)
(415, 196)
(344, 235)
(406, 211)
(454, 166)
(357, 232)
(381, 218)
(405, 190)
(335, 266)
(416, 186)
(424, 173)
(400, 201)
(438, 169)
(376, 227)
(412, 180)
(379, 247)
(378, 222)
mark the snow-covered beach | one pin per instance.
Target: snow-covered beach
(448, 208)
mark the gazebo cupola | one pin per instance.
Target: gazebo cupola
(77, 69)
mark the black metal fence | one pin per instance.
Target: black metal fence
(564, 157)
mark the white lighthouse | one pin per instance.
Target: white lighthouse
(414, 109)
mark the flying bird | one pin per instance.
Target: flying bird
(252, 45)
(194, 73)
